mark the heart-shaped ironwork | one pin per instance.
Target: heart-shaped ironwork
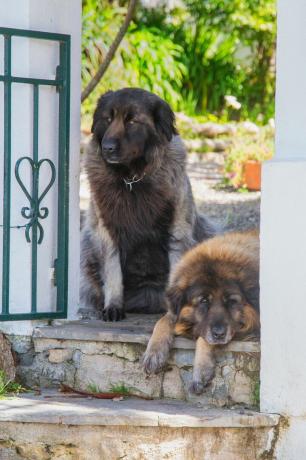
(34, 212)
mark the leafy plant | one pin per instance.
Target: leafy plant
(256, 394)
(192, 54)
(155, 65)
(93, 388)
(7, 386)
(245, 147)
(114, 388)
(121, 388)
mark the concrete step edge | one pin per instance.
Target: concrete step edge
(52, 408)
(98, 331)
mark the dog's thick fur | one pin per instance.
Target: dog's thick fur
(213, 297)
(142, 216)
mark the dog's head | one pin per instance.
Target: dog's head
(129, 124)
(215, 292)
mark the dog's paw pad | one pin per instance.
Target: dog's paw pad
(196, 387)
(113, 313)
(153, 362)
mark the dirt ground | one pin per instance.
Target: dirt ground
(230, 209)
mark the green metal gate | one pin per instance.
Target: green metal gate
(32, 215)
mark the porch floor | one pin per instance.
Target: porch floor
(61, 427)
(134, 329)
(66, 409)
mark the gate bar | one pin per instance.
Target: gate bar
(7, 174)
(63, 179)
(31, 81)
(35, 197)
(33, 34)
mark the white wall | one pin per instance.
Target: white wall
(39, 59)
(283, 241)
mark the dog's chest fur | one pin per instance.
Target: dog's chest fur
(138, 221)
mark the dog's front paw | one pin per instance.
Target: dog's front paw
(113, 313)
(197, 386)
(155, 359)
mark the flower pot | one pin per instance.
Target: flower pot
(252, 175)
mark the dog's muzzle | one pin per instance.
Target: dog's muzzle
(110, 150)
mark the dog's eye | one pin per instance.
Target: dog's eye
(204, 301)
(232, 301)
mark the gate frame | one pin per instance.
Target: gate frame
(62, 84)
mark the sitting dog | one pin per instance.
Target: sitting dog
(213, 297)
(142, 216)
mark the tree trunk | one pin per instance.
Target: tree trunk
(111, 52)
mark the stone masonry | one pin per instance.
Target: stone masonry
(99, 355)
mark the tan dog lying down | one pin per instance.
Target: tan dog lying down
(213, 296)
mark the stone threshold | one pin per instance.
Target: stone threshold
(134, 329)
(51, 407)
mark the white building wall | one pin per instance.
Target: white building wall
(283, 241)
(39, 59)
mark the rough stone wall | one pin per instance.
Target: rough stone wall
(133, 443)
(48, 362)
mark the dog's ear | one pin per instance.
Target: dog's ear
(251, 322)
(164, 119)
(176, 298)
(251, 294)
(101, 101)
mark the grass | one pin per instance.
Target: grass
(256, 394)
(121, 388)
(114, 388)
(93, 388)
(8, 387)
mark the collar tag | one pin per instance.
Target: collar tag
(129, 182)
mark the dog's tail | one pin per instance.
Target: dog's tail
(148, 299)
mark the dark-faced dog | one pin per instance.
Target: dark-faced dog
(142, 216)
(213, 297)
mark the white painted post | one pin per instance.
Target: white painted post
(283, 240)
(38, 59)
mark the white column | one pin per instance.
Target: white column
(39, 59)
(283, 240)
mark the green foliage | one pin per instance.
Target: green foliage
(114, 388)
(256, 394)
(152, 62)
(192, 55)
(230, 46)
(121, 388)
(93, 388)
(7, 386)
(100, 23)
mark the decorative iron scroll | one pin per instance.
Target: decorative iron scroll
(34, 212)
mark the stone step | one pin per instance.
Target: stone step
(89, 354)
(55, 426)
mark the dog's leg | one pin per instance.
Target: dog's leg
(181, 236)
(178, 246)
(91, 292)
(113, 287)
(111, 275)
(157, 352)
(204, 366)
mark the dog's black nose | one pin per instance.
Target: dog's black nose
(110, 146)
(218, 332)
